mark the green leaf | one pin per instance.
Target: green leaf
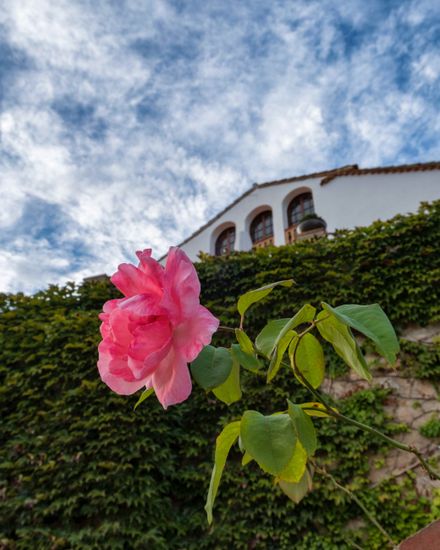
(343, 342)
(274, 331)
(245, 342)
(307, 356)
(371, 321)
(230, 390)
(249, 362)
(246, 459)
(305, 315)
(304, 427)
(313, 408)
(296, 466)
(270, 440)
(275, 362)
(253, 296)
(211, 367)
(265, 341)
(297, 491)
(223, 445)
(145, 394)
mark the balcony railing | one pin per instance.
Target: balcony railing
(291, 234)
(263, 243)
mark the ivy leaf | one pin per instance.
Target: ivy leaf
(253, 296)
(307, 356)
(230, 390)
(296, 466)
(343, 342)
(145, 394)
(270, 440)
(297, 491)
(211, 367)
(223, 445)
(247, 361)
(304, 428)
(371, 321)
(244, 341)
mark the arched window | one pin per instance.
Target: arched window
(225, 242)
(261, 226)
(299, 207)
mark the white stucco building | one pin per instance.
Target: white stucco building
(343, 198)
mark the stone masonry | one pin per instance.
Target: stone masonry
(412, 402)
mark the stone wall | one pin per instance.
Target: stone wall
(411, 401)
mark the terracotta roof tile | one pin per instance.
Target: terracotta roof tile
(355, 171)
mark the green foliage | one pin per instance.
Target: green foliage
(230, 391)
(244, 341)
(267, 338)
(253, 296)
(145, 395)
(297, 491)
(223, 444)
(371, 321)
(341, 338)
(79, 468)
(420, 360)
(212, 367)
(270, 440)
(307, 358)
(246, 360)
(395, 264)
(305, 430)
(431, 428)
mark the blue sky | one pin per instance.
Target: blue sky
(127, 125)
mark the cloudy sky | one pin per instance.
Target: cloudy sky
(128, 124)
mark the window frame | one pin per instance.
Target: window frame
(227, 245)
(266, 230)
(299, 200)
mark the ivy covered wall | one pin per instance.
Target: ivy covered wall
(80, 469)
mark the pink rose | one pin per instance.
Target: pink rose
(150, 336)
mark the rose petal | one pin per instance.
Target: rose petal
(130, 280)
(114, 370)
(116, 383)
(142, 305)
(151, 268)
(119, 327)
(172, 381)
(150, 344)
(181, 286)
(193, 335)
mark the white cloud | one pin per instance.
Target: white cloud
(170, 113)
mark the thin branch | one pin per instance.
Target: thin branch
(402, 446)
(226, 329)
(336, 414)
(346, 490)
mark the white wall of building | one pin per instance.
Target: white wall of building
(344, 203)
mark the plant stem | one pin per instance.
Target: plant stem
(226, 329)
(332, 412)
(402, 446)
(347, 491)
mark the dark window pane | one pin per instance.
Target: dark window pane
(261, 227)
(299, 207)
(225, 242)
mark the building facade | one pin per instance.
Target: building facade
(285, 211)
